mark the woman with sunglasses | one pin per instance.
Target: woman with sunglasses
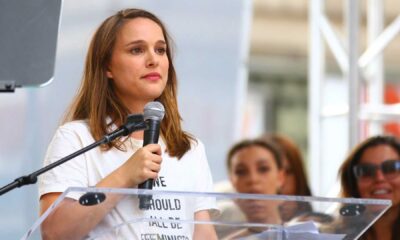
(372, 170)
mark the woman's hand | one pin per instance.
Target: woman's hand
(144, 164)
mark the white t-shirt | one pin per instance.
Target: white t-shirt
(190, 173)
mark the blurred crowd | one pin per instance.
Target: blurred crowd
(273, 164)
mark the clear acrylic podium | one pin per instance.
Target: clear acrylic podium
(240, 216)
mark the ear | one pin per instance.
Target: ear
(109, 73)
(231, 181)
(281, 178)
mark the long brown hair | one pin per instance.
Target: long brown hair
(295, 159)
(96, 99)
(348, 179)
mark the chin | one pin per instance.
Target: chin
(156, 93)
(152, 96)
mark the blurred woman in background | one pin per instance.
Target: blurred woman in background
(295, 176)
(372, 170)
(255, 166)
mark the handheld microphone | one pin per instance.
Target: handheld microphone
(153, 114)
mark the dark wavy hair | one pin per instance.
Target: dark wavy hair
(348, 179)
(295, 159)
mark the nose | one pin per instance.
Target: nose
(151, 59)
(379, 176)
(253, 178)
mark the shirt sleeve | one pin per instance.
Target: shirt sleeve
(72, 173)
(204, 182)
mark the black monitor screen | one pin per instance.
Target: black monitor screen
(28, 41)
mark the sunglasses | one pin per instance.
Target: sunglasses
(389, 168)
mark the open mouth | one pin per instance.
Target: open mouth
(381, 193)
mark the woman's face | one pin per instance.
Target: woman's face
(254, 170)
(139, 63)
(379, 186)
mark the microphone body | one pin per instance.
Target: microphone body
(153, 114)
(151, 135)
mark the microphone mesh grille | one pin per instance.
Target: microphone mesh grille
(154, 110)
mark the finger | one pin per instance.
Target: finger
(154, 148)
(156, 158)
(152, 164)
(151, 174)
(155, 167)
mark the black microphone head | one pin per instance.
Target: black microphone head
(154, 111)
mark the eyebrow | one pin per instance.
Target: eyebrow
(142, 41)
(263, 160)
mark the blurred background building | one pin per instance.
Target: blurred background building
(299, 80)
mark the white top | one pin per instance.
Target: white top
(190, 173)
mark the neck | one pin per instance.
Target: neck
(135, 105)
(137, 135)
(273, 217)
(384, 225)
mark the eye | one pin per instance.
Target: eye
(391, 166)
(288, 171)
(161, 50)
(365, 170)
(264, 169)
(136, 50)
(240, 172)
